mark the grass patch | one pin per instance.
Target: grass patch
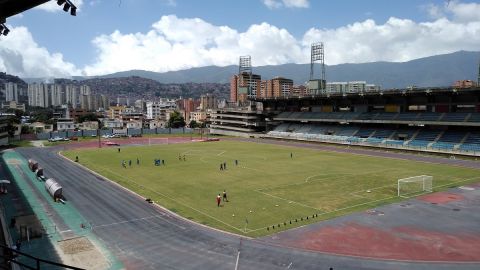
(267, 187)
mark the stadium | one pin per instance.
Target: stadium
(347, 190)
(326, 180)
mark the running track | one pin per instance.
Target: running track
(144, 236)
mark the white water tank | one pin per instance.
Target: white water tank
(53, 188)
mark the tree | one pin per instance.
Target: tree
(176, 120)
(193, 124)
(88, 117)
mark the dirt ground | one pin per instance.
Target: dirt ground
(81, 252)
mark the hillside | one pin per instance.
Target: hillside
(137, 87)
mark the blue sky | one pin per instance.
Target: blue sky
(162, 35)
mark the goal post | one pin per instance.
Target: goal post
(414, 185)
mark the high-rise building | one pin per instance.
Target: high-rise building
(208, 102)
(38, 95)
(282, 87)
(105, 102)
(57, 94)
(160, 110)
(336, 87)
(71, 95)
(11, 92)
(244, 86)
(85, 90)
(299, 90)
(356, 86)
(234, 88)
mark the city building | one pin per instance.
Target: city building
(112, 123)
(39, 127)
(356, 86)
(71, 95)
(465, 84)
(234, 88)
(299, 90)
(88, 125)
(134, 124)
(56, 94)
(282, 87)
(65, 124)
(115, 112)
(13, 105)
(237, 121)
(11, 92)
(244, 86)
(85, 90)
(4, 130)
(207, 102)
(160, 110)
(336, 87)
(123, 101)
(197, 116)
(38, 95)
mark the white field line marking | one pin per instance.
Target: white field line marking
(340, 209)
(461, 181)
(280, 198)
(238, 258)
(253, 169)
(175, 200)
(355, 193)
(125, 221)
(221, 153)
(356, 205)
(339, 177)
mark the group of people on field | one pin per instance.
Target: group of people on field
(124, 163)
(222, 198)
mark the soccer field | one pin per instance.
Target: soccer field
(268, 187)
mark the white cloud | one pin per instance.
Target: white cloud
(296, 3)
(51, 6)
(174, 43)
(22, 56)
(395, 40)
(273, 4)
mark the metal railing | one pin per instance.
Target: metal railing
(10, 256)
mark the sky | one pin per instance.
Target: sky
(108, 36)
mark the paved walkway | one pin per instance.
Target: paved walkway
(30, 199)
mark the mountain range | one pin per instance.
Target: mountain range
(439, 70)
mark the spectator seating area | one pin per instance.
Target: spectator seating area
(381, 116)
(419, 137)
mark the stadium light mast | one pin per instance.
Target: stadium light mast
(316, 86)
(317, 54)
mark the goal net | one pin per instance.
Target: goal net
(414, 185)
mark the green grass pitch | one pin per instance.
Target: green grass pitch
(268, 187)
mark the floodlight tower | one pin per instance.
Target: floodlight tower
(316, 86)
(245, 66)
(317, 54)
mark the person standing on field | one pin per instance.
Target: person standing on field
(219, 199)
(225, 196)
